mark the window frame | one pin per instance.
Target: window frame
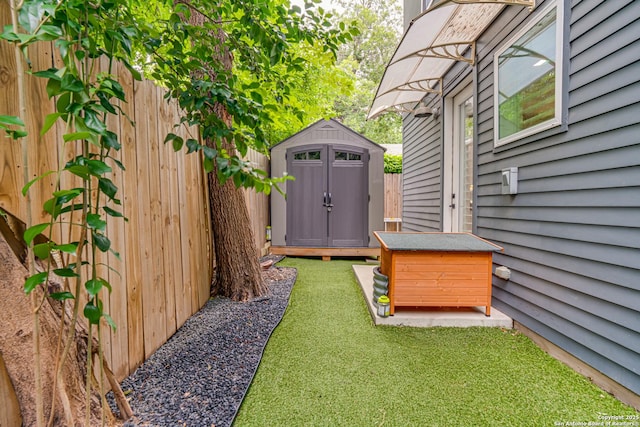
(559, 117)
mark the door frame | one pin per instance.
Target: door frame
(451, 173)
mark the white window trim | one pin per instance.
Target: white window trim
(557, 119)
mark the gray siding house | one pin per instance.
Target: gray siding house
(531, 139)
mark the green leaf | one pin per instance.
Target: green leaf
(107, 187)
(209, 165)
(110, 139)
(92, 313)
(61, 296)
(178, 142)
(16, 134)
(64, 196)
(49, 33)
(31, 232)
(137, 75)
(42, 250)
(71, 83)
(192, 145)
(110, 321)
(112, 212)
(209, 152)
(107, 285)
(69, 248)
(76, 136)
(170, 137)
(52, 207)
(32, 282)
(93, 286)
(71, 207)
(9, 35)
(92, 121)
(79, 170)
(94, 222)
(11, 120)
(49, 121)
(34, 180)
(51, 73)
(101, 241)
(30, 15)
(104, 102)
(98, 167)
(65, 272)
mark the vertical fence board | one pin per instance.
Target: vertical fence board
(148, 205)
(183, 304)
(393, 195)
(132, 256)
(10, 157)
(117, 274)
(169, 255)
(258, 203)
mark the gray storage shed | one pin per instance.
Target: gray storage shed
(336, 201)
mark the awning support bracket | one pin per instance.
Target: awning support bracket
(455, 51)
(531, 4)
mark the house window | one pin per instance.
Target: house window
(528, 79)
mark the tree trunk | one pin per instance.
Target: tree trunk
(17, 349)
(237, 273)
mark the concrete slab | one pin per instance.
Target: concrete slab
(428, 316)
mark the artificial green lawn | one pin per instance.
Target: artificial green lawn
(326, 364)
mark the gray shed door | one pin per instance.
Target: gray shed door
(327, 204)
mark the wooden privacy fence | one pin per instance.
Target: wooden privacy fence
(258, 204)
(393, 195)
(166, 263)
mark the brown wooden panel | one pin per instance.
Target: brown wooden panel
(117, 275)
(200, 211)
(439, 301)
(385, 261)
(133, 259)
(392, 195)
(10, 152)
(148, 216)
(166, 225)
(435, 271)
(459, 285)
(439, 289)
(439, 258)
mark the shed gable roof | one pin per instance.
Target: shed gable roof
(329, 125)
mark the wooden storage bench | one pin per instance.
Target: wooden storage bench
(437, 269)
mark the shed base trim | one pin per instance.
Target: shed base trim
(325, 253)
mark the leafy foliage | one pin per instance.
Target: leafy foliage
(269, 44)
(380, 26)
(392, 163)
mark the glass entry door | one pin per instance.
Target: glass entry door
(458, 195)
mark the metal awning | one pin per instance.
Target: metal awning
(442, 35)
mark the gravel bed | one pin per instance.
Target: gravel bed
(201, 374)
